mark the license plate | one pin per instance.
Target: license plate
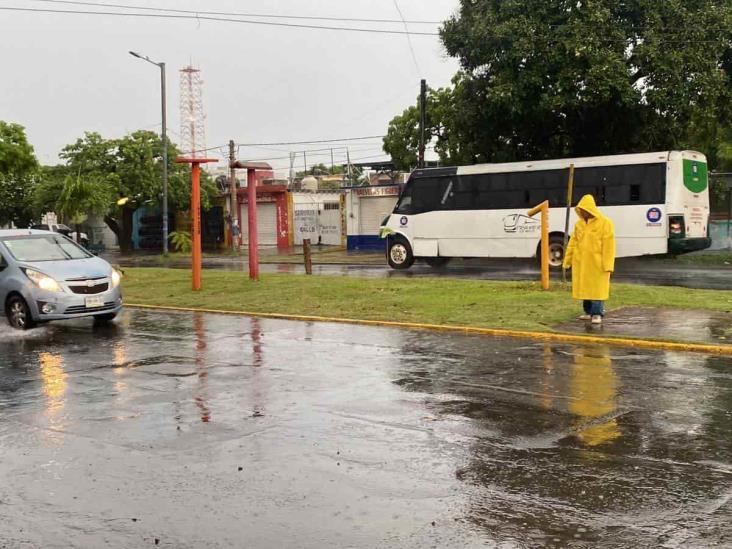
(92, 302)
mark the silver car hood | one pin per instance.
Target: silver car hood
(91, 267)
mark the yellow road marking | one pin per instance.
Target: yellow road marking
(659, 345)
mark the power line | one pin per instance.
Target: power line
(240, 14)
(216, 19)
(409, 38)
(315, 142)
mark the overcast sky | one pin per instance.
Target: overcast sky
(66, 74)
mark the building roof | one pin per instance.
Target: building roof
(251, 165)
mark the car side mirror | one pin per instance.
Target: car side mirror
(3, 264)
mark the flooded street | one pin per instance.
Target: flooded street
(190, 430)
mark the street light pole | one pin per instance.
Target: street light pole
(164, 139)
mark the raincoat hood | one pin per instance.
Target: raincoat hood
(587, 203)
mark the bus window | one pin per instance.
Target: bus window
(635, 193)
(404, 206)
(430, 194)
(465, 194)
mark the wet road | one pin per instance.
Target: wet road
(192, 430)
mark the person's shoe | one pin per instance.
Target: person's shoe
(584, 317)
(596, 319)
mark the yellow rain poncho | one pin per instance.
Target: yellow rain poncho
(591, 253)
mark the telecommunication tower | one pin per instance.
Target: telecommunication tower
(192, 116)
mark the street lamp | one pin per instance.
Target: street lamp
(165, 146)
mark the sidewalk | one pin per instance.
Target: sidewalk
(662, 324)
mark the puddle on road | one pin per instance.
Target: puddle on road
(675, 324)
(526, 444)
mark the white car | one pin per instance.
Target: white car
(65, 230)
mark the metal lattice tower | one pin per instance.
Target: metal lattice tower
(192, 116)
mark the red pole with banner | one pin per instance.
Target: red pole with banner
(195, 216)
(252, 222)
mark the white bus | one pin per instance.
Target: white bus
(659, 203)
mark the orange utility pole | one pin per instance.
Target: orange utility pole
(544, 209)
(195, 163)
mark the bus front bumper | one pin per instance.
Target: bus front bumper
(678, 246)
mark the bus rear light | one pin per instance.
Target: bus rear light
(676, 226)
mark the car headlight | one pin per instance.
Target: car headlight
(116, 278)
(44, 282)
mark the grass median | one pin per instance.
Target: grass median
(489, 304)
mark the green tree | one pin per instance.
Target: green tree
(441, 129)
(131, 167)
(81, 197)
(559, 78)
(321, 169)
(17, 167)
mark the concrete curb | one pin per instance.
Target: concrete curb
(658, 345)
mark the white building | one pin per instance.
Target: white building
(319, 216)
(366, 208)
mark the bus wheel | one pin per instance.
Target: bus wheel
(436, 262)
(556, 252)
(400, 254)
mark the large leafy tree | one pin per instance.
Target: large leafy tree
(18, 165)
(129, 170)
(560, 77)
(80, 197)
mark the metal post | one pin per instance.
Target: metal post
(165, 159)
(308, 258)
(234, 206)
(252, 222)
(292, 168)
(164, 141)
(570, 192)
(544, 209)
(195, 215)
(422, 120)
(729, 218)
(305, 160)
(196, 222)
(350, 173)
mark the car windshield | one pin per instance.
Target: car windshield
(50, 247)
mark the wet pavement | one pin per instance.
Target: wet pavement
(191, 430)
(665, 324)
(648, 271)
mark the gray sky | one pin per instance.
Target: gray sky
(66, 74)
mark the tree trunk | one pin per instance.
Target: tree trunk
(122, 228)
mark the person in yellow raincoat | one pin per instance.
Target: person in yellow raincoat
(591, 256)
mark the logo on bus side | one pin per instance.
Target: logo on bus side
(519, 223)
(654, 216)
(403, 221)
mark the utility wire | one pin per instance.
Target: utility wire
(315, 142)
(217, 19)
(239, 14)
(409, 38)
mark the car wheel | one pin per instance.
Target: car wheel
(18, 313)
(400, 254)
(103, 319)
(437, 262)
(556, 252)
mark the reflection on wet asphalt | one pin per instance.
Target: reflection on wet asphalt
(212, 431)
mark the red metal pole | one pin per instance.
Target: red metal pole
(252, 211)
(195, 215)
(196, 228)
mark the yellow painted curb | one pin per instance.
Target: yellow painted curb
(658, 345)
